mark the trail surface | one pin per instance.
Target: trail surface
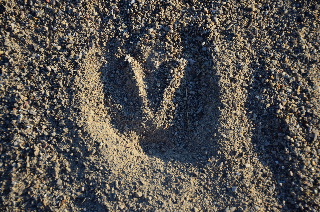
(159, 105)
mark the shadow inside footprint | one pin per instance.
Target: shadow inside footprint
(190, 136)
(121, 91)
(157, 80)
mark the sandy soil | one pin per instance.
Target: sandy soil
(149, 105)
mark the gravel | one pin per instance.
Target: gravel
(216, 109)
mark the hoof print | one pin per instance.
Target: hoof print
(169, 98)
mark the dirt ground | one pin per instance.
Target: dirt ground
(148, 105)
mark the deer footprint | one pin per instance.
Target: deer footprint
(166, 93)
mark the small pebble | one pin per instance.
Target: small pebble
(234, 188)
(59, 182)
(138, 194)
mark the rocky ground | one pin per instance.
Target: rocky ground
(147, 105)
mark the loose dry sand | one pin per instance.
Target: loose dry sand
(147, 105)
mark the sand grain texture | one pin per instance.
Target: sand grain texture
(159, 105)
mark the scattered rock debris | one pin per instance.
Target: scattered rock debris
(159, 105)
